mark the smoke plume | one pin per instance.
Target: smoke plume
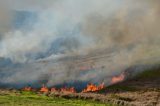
(54, 41)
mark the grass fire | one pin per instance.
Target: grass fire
(79, 53)
(90, 88)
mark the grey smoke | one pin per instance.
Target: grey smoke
(111, 35)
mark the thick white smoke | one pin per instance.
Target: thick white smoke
(125, 32)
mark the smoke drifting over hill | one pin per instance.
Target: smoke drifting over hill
(34, 34)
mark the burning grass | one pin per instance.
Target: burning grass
(117, 79)
(91, 87)
(44, 89)
(123, 93)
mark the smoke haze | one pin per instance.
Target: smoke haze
(49, 41)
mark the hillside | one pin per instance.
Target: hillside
(141, 90)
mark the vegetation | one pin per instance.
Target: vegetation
(120, 98)
(33, 99)
(122, 88)
(24, 98)
(117, 88)
(143, 76)
(149, 74)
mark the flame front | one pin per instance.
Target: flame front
(117, 79)
(27, 89)
(44, 89)
(91, 87)
(65, 89)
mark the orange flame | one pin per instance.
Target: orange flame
(44, 89)
(71, 90)
(65, 89)
(27, 89)
(117, 79)
(54, 90)
(91, 87)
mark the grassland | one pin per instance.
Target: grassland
(33, 99)
(142, 89)
(146, 79)
(149, 74)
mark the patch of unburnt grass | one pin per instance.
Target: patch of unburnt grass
(26, 98)
(152, 73)
(114, 96)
